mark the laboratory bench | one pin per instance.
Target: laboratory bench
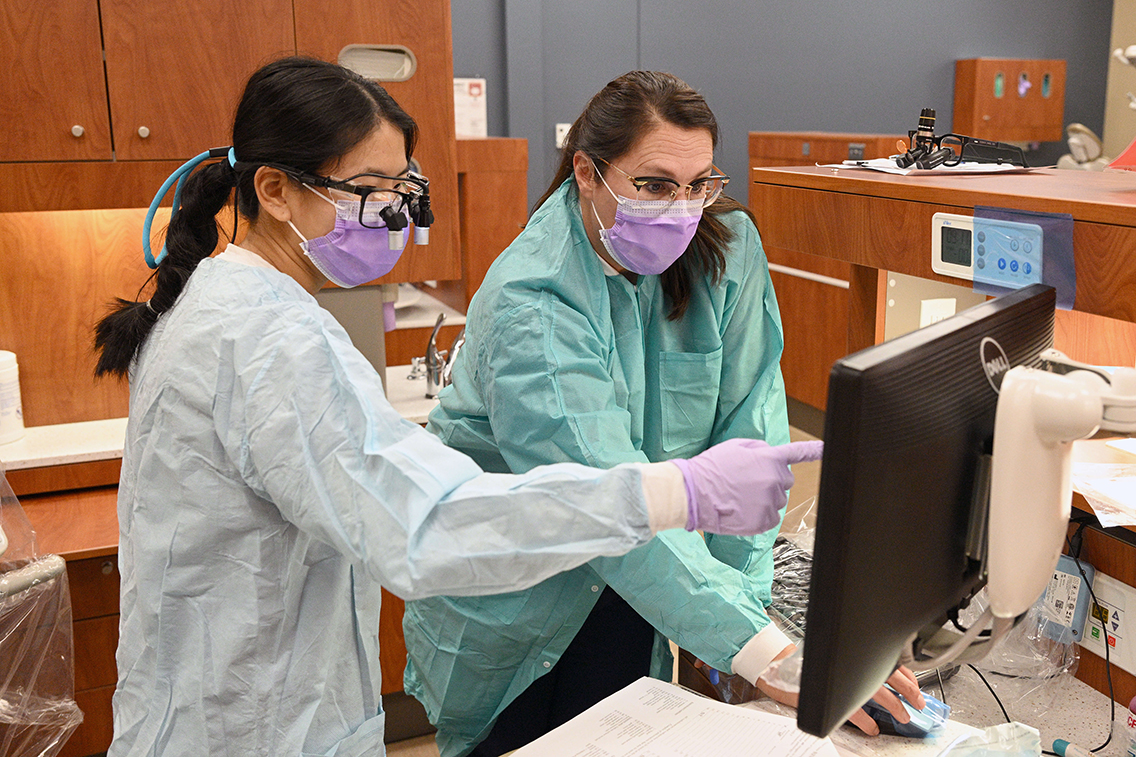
(1061, 708)
(66, 479)
(873, 224)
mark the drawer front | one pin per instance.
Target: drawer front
(94, 734)
(95, 642)
(94, 587)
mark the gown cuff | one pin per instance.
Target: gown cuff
(664, 490)
(758, 652)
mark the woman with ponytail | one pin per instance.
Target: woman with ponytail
(633, 320)
(268, 489)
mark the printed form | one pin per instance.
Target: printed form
(651, 718)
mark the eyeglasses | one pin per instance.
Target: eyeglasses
(658, 188)
(396, 192)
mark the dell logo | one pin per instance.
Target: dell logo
(994, 361)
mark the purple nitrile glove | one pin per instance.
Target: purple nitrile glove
(739, 486)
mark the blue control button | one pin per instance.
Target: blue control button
(1001, 264)
(982, 236)
(1014, 245)
(981, 263)
(1014, 266)
(1027, 268)
(981, 249)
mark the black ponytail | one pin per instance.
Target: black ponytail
(192, 236)
(298, 112)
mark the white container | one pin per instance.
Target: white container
(11, 411)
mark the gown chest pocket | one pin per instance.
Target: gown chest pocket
(688, 384)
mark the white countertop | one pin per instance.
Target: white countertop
(88, 441)
(65, 443)
(408, 396)
(1060, 708)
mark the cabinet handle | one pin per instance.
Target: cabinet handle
(108, 567)
(76, 130)
(143, 131)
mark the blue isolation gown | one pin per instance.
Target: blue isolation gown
(267, 490)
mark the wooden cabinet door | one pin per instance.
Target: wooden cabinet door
(176, 70)
(323, 29)
(51, 56)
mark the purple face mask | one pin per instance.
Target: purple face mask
(351, 253)
(649, 235)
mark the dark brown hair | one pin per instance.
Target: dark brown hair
(615, 119)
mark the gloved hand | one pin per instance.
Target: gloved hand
(738, 486)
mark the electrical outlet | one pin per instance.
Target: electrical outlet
(1108, 622)
(561, 135)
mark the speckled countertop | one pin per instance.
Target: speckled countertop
(1060, 708)
(88, 441)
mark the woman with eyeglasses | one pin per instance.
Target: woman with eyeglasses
(632, 320)
(268, 489)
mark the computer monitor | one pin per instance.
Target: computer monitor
(906, 428)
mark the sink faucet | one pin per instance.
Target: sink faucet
(440, 363)
(435, 361)
(451, 358)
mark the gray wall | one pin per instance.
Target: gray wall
(768, 65)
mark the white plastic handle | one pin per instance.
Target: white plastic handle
(43, 569)
(1039, 416)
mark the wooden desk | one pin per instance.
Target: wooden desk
(879, 222)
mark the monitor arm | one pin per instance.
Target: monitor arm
(1041, 412)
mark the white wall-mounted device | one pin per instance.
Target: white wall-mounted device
(1005, 253)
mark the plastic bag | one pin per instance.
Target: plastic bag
(1026, 668)
(792, 570)
(37, 679)
(1005, 740)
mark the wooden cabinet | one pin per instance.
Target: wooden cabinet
(172, 72)
(323, 30)
(94, 610)
(812, 291)
(175, 71)
(1009, 100)
(492, 203)
(53, 94)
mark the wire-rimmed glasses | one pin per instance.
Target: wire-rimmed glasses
(661, 189)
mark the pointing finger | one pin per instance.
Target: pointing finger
(803, 452)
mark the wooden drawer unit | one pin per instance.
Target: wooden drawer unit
(94, 584)
(93, 736)
(812, 291)
(94, 587)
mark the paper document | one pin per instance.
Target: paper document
(1110, 489)
(651, 718)
(887, 165)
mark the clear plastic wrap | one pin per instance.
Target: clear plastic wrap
(1027, 666)
(792, 569)
(37, 677)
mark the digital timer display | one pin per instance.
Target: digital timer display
(956, 245)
